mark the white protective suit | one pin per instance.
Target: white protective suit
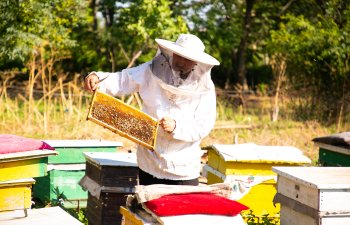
(190, 102)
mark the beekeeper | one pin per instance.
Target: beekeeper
(177, 89)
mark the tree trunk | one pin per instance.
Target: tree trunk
(230, 72)
(279, 67)
(241, 68)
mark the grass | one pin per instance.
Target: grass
(55, 115)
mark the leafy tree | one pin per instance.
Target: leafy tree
(127, 31)
(317, 52)
(27, 25)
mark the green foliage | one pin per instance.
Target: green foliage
(127, 30)
(79, 214)
(26, 25)
(317, 51)
(266, 219)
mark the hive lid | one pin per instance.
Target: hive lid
(317, 177)
(123, 119)
(111, 158)
(12, 183)
(83, 143)
(252, 153)
(16, 156)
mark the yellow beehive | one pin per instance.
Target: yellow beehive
(15, 194)
(22, 165)
(123, 119)
(250, 161)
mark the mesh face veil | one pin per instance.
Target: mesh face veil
(198, 80)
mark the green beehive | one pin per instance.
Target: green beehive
(72, 151)
(330, 155)
(66, 170)
(334, 150)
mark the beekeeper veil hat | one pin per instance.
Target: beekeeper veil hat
(192, 48)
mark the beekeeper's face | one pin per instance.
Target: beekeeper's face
(181, 64)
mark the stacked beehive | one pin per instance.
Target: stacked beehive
(109, 178)
(20, 162)
(67, 169)
(314, 195)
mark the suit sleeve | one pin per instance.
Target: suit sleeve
(122, 83)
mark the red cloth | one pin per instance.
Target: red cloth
(194, 203)
(12, 143)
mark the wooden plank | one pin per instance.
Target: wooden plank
(293, 217)
(297, 191)
(335, 200)
(111, 159)
(49, 215)
(317, 177)
(339, 220)
(26, 155)
(82, 143)
(342, 150)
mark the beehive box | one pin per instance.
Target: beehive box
(251, 160)
(16, 194)
(314, 195)
(22, 165)
(112, 169)
(123, 119)
(67, 169)
(330, 155)
(109, 178)
(62, 182)
(334, 150)
(105, 209)
(72, 151)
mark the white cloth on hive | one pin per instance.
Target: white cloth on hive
(200, 219)
(240, 184)
(146, 193)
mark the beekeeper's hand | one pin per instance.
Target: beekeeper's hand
(168, 124)
(91, 82)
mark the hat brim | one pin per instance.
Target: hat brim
(198, 56)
